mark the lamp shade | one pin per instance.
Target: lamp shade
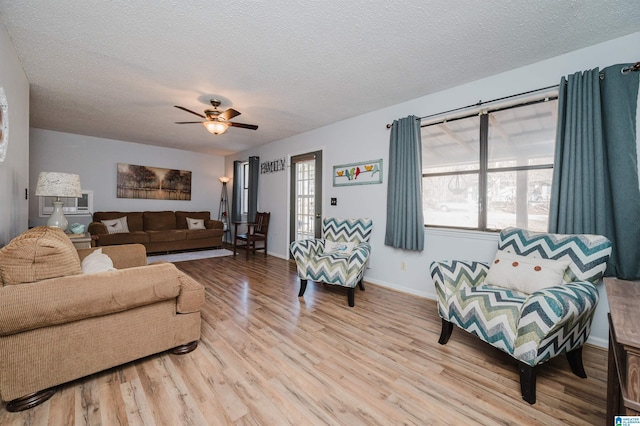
(216, 127)
(54, 184)
(224, 179)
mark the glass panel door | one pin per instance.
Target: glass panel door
(306, 196)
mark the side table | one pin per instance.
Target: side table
(80, 241)
(623, 379)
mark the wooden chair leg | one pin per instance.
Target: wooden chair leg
(303, 287)
(445, 333)
(351, 296)
(30, 401)
(575, 362)
(528, 382)
(184, 349)
(361, 284)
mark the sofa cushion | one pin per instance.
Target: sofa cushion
(525, 273)
(138, 237)
(38, 254)
(159, 221)
(181, 218)
(165, 236)
(198, 234)
(134, 219)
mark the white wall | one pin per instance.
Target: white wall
(365, 138)
(96, 159)
(14, 172)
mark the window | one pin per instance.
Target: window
(490, 170)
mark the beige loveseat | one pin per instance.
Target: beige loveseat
(158, 231)
(58, 324)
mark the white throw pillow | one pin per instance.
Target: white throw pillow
(116, 226)
(526, 274)
(195, 223)
(338, 247)
(97, 262)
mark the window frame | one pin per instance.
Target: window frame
(484, 170)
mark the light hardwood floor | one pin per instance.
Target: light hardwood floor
(269, 358)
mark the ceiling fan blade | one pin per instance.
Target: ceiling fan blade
(229, 114)
(243, 126)
(188, 110)
(188, 122)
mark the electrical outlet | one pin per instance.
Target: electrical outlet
(403, 266)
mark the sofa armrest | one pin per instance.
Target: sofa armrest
(97, 228)
(450, 276)
(123, 256)
(76, 297)
(555, 320)
(213, 224)
(359, 256)
(191, 297)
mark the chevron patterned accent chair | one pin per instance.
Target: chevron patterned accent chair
(509, 306)
(339, 258)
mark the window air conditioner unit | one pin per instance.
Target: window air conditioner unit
(82, 206)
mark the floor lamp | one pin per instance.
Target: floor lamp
(54, 184)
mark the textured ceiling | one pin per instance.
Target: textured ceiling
(114, 69)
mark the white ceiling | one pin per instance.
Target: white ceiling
(114, 69)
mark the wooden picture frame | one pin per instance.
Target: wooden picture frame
(361, 173)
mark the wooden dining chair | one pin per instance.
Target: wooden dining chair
(257, 231)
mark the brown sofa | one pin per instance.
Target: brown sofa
(57, 324)
(159, 231)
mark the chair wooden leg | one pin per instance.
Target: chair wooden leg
(361, 284)
(184, 349)
(575, 362)
(528, 382)
(445, 332)
(303, 287)
(351, 296)
(30, 401)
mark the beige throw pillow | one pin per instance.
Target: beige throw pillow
(116, 226)
(97, 262)
(195, 223)
(525, 273)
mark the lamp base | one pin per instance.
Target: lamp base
(57, 219)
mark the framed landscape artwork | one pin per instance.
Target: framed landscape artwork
(153, 183)
(362, 173)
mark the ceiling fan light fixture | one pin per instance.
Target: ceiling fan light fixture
(215, 127)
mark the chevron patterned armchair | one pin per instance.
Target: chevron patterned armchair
(535, 301)
(339, 258)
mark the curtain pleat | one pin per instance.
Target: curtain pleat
(405, 221)
(254, 173)
(595, 178)
(236, 194)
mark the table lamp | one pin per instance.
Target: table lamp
(54, 184)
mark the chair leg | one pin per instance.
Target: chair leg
(445, 333)
(528, 382)
(184, 349)
(30, 401)
(303, 287)
(575, 362)
(361, 284)
(351, 296)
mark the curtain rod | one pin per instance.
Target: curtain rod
(479, 103)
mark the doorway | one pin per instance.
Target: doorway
(306, 196)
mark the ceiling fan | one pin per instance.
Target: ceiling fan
(216, 121)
